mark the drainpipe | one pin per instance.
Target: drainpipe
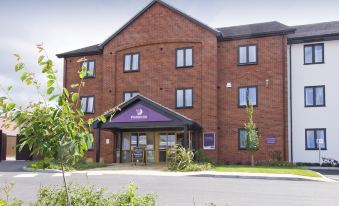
(185, 137)
(97, 141)
(291, 113)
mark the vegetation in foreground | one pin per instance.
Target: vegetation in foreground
(271, 169)
(82, 195)
(81, 165)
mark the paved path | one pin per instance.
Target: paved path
(184, 190)
(330, 173)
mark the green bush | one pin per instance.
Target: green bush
(181, 159)
(84, 195)
(200, 156)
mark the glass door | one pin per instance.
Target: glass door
(126, 154)
(166, 140)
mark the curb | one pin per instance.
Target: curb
(322, 168)
(27, 169)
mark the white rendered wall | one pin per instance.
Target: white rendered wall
(315, 117)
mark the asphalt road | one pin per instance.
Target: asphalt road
(187, 189)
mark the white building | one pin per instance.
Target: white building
(314, 92)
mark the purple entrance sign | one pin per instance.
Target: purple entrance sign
(271, 140)
(140, 113)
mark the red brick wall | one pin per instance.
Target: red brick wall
(156, 34)
(271, 110)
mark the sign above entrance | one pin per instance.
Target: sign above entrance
(139, 113)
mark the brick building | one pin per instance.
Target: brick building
(176, 80)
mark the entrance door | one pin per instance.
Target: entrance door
(132, 140)
(166, 140)
(10, 149)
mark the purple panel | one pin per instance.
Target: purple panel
(209, 140)
(271, 140)
(140, 113)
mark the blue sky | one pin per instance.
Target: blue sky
(65, 25)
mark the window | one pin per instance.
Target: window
(87, 104)
(315, 138)
(242, 138)
(184, 57)
(184, 98)
(131, 62)
(90, 68)
(248, 95)
(209, 141)
(314, 54)
(315, 96)
(89, 143)
(129, 95)
(247, 54)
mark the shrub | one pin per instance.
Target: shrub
(81, 165)
(84, 195)
(178, 158)
(181, 159)
(310, 164)
(200, 156)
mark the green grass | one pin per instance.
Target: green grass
(266, 169)
(51, 165)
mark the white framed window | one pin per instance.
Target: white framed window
(87, 104)
(209, 140)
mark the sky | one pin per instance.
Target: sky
(64, 25)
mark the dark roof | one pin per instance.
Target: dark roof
(90, 50)
(177, 119)
(315, 32)
(255, 30)
(216, 32)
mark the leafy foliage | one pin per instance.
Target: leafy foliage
(82, 195)
(181, 159)
(252, 133)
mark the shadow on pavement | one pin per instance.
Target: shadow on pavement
(12, 166)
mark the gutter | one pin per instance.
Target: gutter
(291, 113)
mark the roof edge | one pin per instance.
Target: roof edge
(214, 31)
(263, 34)
(313, 38)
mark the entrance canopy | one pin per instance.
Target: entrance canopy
(141, 112)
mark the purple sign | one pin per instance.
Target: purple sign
(209, 140)
(271, 140)
(140, 113)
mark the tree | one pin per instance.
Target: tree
(252, 143)
(53, 127)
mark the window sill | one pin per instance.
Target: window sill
(239, 106)
(247, 64)
(184, 107)
(315, 149)
(131, 71)
(314, 63)
(184, 67)
(314, 106)
(89, 77)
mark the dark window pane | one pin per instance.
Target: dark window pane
(242, 139)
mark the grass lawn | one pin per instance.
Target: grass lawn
(266, 169)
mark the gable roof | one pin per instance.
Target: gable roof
(214, 31)
(315, 32)
(177, 119)
(255, 30)
(98, 48)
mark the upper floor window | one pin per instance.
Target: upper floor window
(247, 54)
(129, 95)
(315, 138)
(90, 68)
(248, 96)
(132, 62)
(314, 54)
(184, 57)
(184, 98)
(315, 96)
(87, 104)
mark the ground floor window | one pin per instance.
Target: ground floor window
(242, 138)
(315, 138)
(209, 140)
